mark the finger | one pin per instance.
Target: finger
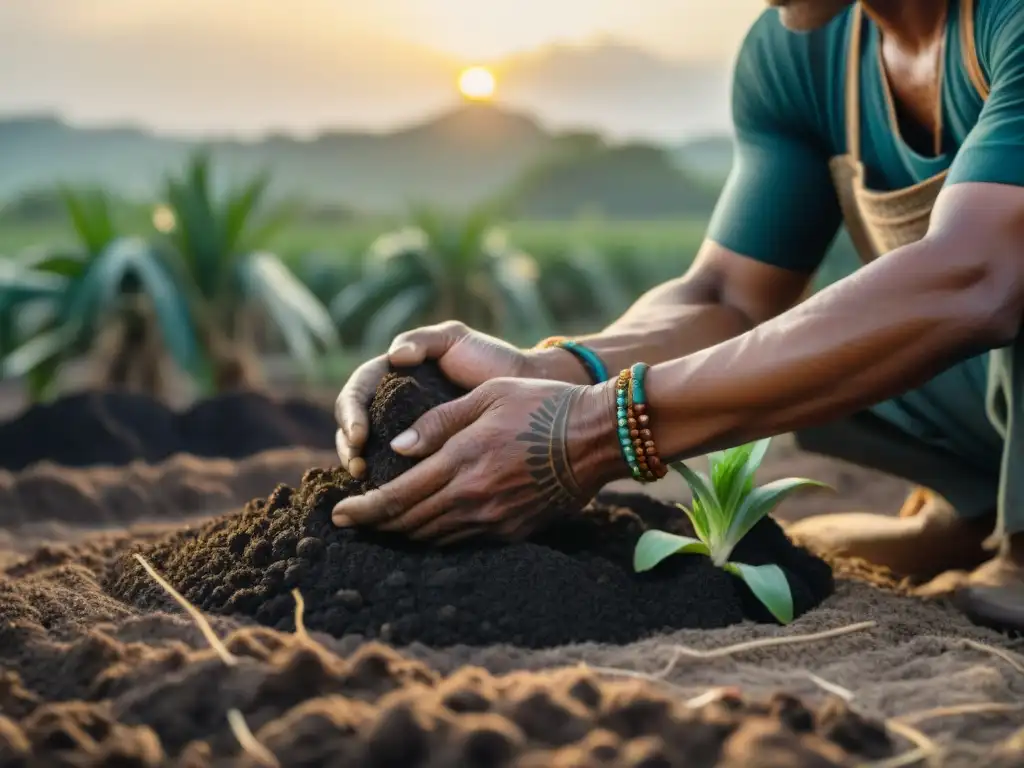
(438, 504)
(430, 342)
(446, 525)
(433, 429)
(350, 458)
(392, 500)
(345, 451)
(350, 409)
(357, 467)
(472, 532)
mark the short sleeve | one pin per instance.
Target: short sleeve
(779, 205)
(993, 151)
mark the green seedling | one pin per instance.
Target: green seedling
(726, 506)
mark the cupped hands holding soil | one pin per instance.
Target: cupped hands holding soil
(573, 582)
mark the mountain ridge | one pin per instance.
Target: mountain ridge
(455, 158)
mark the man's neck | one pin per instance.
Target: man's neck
(913, 25)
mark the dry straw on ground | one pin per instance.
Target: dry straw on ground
(236, 720)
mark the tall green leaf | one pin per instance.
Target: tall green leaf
(769, 585)
(472, 271)
(704, 493)
(655, 546)
(298, 314)
(239, 209)
(695, 512)
(18, 284)
(91, 217)
(760, 502)
(38, 350)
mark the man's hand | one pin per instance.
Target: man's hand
(468, 358)
(499, 462)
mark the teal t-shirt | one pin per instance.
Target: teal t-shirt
(779, 206)
(788, 108)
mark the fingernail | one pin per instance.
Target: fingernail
(405, 441)
(341, 520)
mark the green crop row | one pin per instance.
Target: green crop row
(211, 278)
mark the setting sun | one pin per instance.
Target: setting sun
(476, 83)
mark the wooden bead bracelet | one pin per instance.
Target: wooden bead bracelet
(633, 424)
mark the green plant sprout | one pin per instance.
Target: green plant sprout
(725, 507)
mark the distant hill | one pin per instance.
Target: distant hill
(457, 159)
(710, 158)
(454, 159)
(634, 181)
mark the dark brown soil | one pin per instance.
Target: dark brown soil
(180, 487)
(401, 399)
(574, 582)
(87, 680)
(116, 428)
(121, 702)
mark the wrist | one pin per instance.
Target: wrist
(594, 453)
(555, 364)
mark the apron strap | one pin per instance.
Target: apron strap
(970, 49)
(853, 84)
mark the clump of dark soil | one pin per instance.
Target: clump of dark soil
(116, 428)
(573, 582)
(401, 399)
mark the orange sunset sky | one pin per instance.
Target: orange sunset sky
(255, 65)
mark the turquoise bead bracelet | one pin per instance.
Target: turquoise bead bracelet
(595, 367)
(633, 426)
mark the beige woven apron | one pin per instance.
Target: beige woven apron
(880, 222)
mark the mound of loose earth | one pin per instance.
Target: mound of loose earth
(116, 428)
(574, 582)
(48, 506)
(146, 705)
(88, 681)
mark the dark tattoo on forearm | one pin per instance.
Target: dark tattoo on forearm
(548, 450)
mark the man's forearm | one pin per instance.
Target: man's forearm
(880, 332)
(670, 321)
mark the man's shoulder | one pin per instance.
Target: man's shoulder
(791, 78)
(991, 14)
(768, 37)
(999, 30)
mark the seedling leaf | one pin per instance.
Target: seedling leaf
(732, 471)
(769, 585)
(704, 496)
(655, 546)
(725, 507)
(760, 502)
(700, 521)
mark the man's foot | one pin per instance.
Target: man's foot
(927, 537)
(993, 595)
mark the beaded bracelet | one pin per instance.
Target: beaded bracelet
(633, 422)
(593, 364)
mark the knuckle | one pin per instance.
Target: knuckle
(488, 514)
(465, 451)
(473, 497)
(405, 336)
(454, 327)
(445, 416)
(390, 504)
